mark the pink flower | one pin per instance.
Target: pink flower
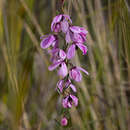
(76, 34)
(72, 48)
(69, 100)
(63, 71)
(62, 84)
(60, 22)
(57, 55)
(64, 121)
(75, 74)
(58, 61)
(48, 41)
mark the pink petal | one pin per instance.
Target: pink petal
(82, 47)
(71, 52)
(55, 44)
(53, 51)
(64, 26)
(83, 30)
(65, 102)
(63, 71)
(68, 38)
(58, 19)
(81, 69)
(60, 85)
(62, 54)
(75, 99)
(57, 27)
(55, 20)
(75, 75)
(75, 29)
(76, 37)
(68, 82)
(78, 77)
(54, 66)
(69, 105)
(45, 43)
(73, 87)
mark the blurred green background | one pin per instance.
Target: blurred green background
(28, 100)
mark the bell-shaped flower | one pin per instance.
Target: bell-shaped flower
(73, 47)
(76, 34)
(69, 100)
(75, 74)
(60, 23)
(49, 40)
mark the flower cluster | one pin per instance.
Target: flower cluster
(74, 37)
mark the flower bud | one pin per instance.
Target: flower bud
(64, 121)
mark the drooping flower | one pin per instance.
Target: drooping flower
(64, 121)
(60, 22)
(49, 40)
(75, 74)
(69, 100)
(72, 49)
(76, 34)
